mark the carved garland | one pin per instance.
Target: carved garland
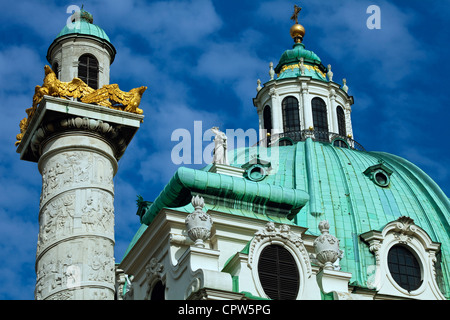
(153, 272)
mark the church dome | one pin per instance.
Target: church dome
(359, 191)
(289, 64)
(86, 27)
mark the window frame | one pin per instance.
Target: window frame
(283, 236)
(319, 112)
(277, 276)
(390, 255)
(404, 232)
(90, 68)
(340, 116)
(291, 114)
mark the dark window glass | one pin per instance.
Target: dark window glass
(340, 144)
(341, 121)
(404, 268)
(278, 273)
(320, 119)
(267, 118)
(291, 117)
(88, 70)
(55, 68)
(158, 292)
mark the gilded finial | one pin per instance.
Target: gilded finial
(297, 30)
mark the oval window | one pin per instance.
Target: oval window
(404, 268)
(278, 273)
(256, 173)
(381, 178)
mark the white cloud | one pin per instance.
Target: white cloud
(166, 25)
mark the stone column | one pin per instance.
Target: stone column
(77, 147)
(334, 126)
(277, 112)
(307, 111)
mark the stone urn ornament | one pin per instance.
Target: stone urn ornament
(327, 247)
(198, 223)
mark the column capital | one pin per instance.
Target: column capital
(56, 116)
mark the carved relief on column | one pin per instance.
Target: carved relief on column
(63, 271)
(70, 170)
(63, 218)
(75, 250)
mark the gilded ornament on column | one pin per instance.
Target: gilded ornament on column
(108, 96)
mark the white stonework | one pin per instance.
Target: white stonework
(304, 89)
(77, 158)
(406, 233)
(190, 272)
(66, 51)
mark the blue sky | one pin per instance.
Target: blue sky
(200, 61)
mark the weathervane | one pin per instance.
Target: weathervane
(297, 10)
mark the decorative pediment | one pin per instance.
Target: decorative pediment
(405, 235)
(379, 174)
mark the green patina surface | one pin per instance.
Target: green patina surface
(288, 65)
(83, 24)
(339, 191)
(84, 28)
(233, 194)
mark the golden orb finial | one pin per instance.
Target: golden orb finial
(297, 30)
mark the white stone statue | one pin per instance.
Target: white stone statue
(302, 67)
(330, 73)
(220, 147)
(344, 86)
(271, 71)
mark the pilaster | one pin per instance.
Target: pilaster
(307, 111)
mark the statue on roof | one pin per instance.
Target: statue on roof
(220, 147)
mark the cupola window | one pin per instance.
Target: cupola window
(341, 121)
(88, 70)
(291, 115)
(267, 118)
(278, 273)
(404, 268)
(320, 119)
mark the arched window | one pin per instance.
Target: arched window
(404, 268)
(278, 273)
(291, 116)
(267, 119)
(341, 121)
(320, 119)
(158, 292)
(88, 70)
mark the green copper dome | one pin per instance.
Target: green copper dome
(346, 188)
(289, 64)
(84, 26)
